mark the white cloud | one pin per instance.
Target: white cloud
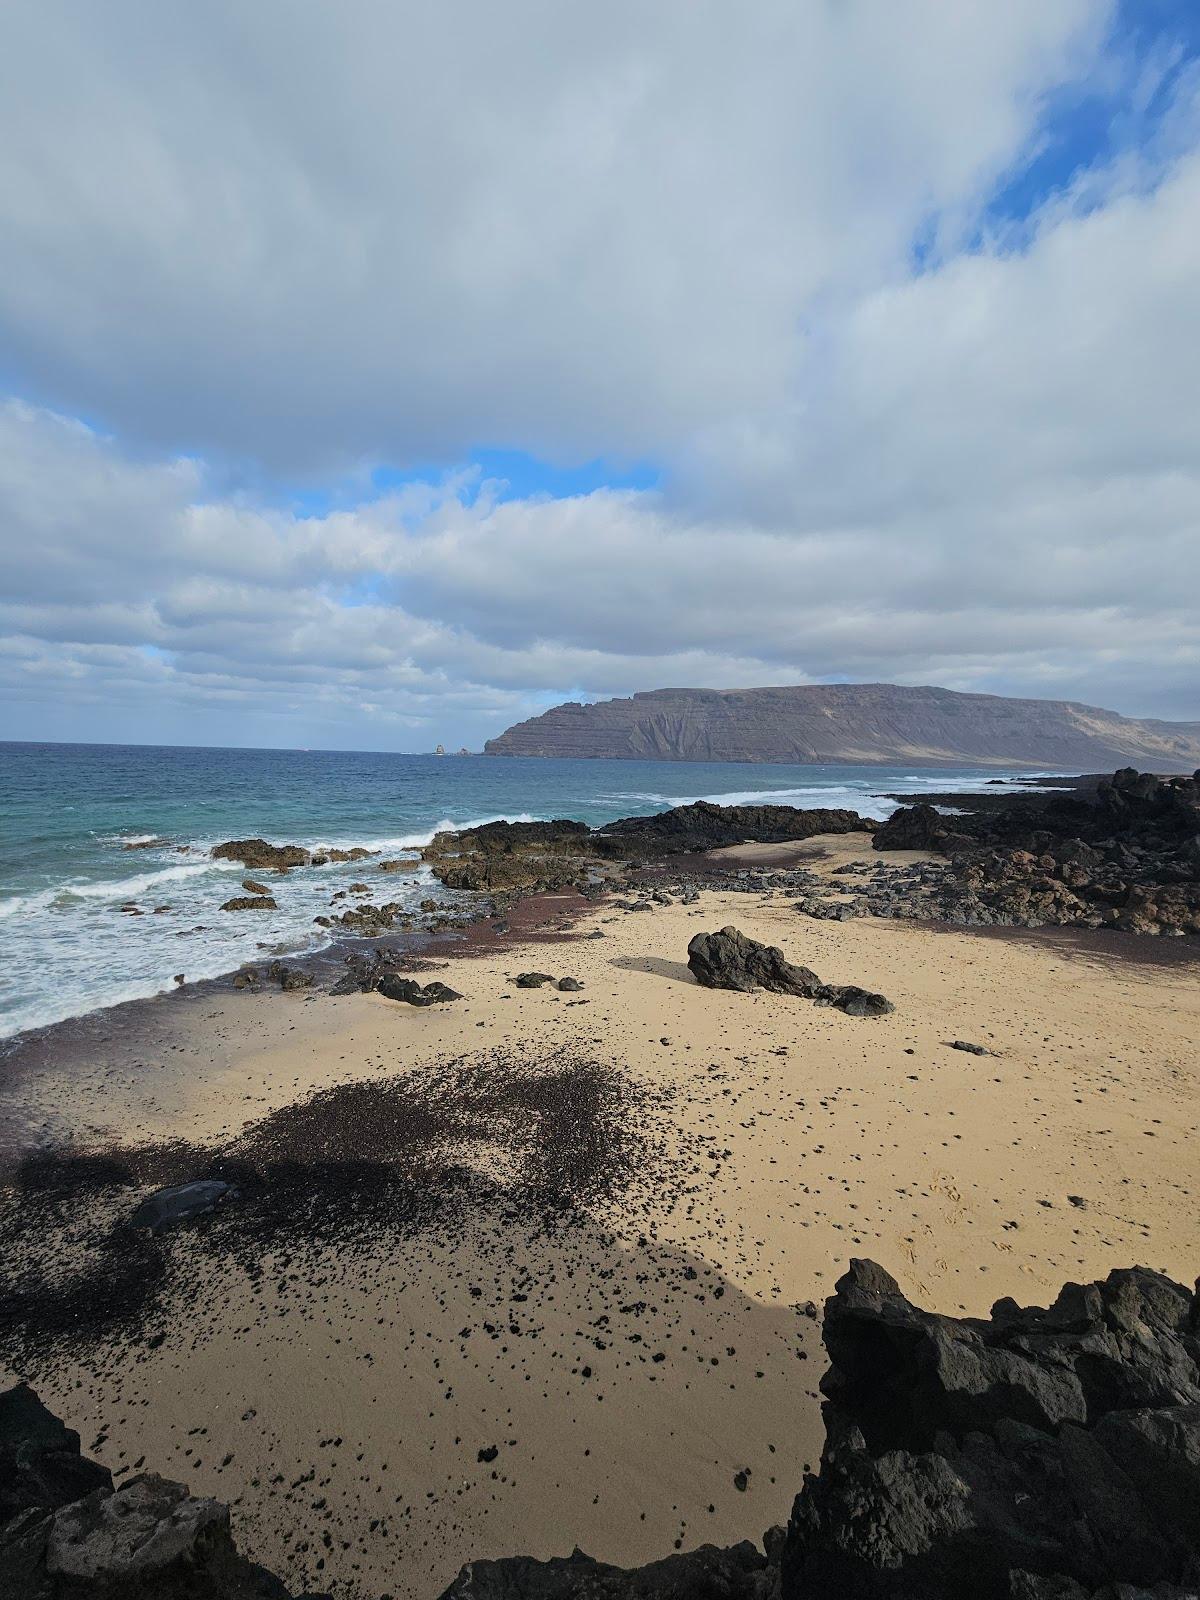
(658, 233)
(304, 233)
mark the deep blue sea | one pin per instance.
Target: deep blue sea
(68, 811)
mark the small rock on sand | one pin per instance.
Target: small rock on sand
(179, 1204)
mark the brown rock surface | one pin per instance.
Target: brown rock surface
(851, 722)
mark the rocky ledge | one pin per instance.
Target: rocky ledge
(1126, 856)
(1039, 1454)
(529, 857)
(66, 1532)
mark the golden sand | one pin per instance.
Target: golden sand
(355, 1401)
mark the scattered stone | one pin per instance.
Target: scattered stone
(1039, 1454)
(569, 985)
(251, 902)
(252, 886)
(971, 1049)
(532, 980)
(289, 978)
(371, 920)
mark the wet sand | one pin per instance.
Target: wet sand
(579, 1230)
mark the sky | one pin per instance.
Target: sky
(376, 375)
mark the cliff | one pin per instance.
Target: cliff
(853, 722)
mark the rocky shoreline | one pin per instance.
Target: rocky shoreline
(1096, 858)
(274, 1154)
(1121, 853)
(1095, 854)
(1124, 855)
(1040, 1454)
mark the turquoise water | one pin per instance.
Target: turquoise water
(68, 811)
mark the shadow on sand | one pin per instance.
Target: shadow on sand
(675, 971)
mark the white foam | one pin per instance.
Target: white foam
(141, 882)
(402, 841)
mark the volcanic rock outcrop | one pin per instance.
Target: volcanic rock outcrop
(520, 858)
(1044, 1454)
(258, 854)
(1125, 856)
(705, 826)
(67, 1534)
(741, 1572)
(729, 960)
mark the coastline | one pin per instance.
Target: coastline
(768, 1141)
(89, 923)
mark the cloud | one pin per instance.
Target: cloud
(304, 235)
(656, 235)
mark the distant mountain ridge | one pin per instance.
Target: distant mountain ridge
(853, 722)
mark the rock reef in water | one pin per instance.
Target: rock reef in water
(258, 854)
(729, 960)
(521, 858)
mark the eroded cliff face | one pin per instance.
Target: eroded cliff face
(854, 722)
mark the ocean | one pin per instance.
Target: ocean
(68, 812)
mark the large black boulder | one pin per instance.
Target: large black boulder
(180, 1203)
(1046, 1454)
(729, 960)
(918, 827)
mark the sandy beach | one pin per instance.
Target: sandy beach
(591, 1319)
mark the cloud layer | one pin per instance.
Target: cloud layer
(898, 433)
